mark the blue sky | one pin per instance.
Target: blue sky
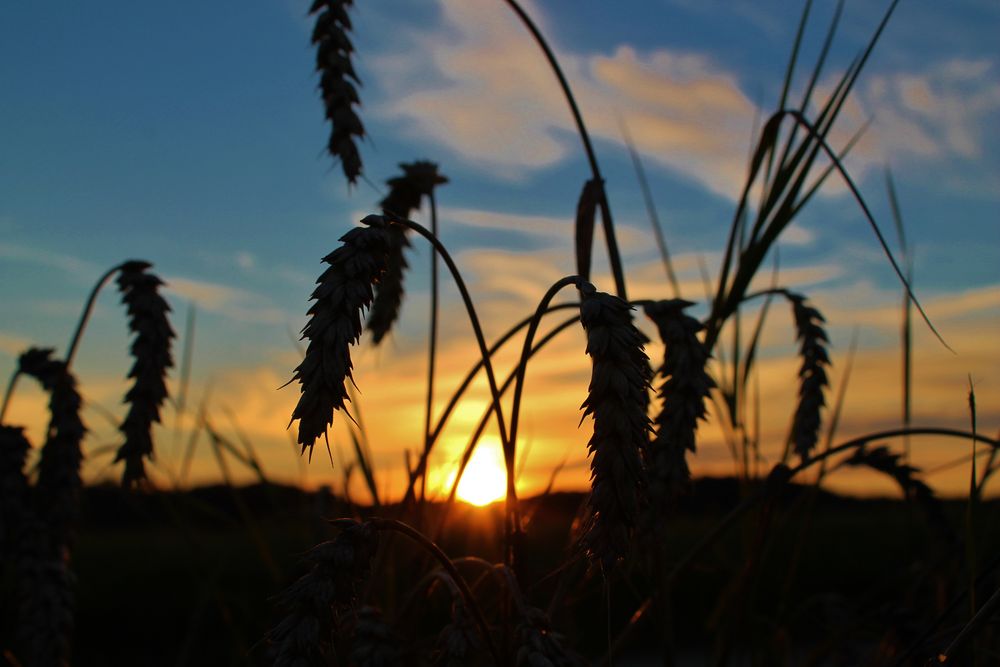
(191, 134)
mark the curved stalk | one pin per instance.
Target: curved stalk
(522, 368)
(432, 343)
(511, 503)
(614, 256)
(8, 393)
(85, 316)
(786, 476)
(458, 393)
(449, 567)
(484, 420)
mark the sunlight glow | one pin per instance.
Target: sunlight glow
(485, 478)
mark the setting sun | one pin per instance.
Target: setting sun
(485, 479)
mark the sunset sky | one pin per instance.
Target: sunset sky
(191, 134)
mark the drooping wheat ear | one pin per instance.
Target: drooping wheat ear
(374, 644)
(812, 374)
(616, 399)
(405, 194)
(459, 644)
(538, 644)
(324, 599)
(58, 488)
(14, 447)
(343, 291)
(333, 61)
(45, 622)
(151, 349)
(880, 458)
(685, 386)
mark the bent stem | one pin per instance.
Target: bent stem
(449, 567)
(484, 420)
(432, 343)
(780, 474)
(522, 369)
(511, 504)
(614, 256)
(458, 393)
(85, 316)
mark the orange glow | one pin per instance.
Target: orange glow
(485, 478)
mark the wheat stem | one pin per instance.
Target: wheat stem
(432, 342)
(614, 256)
(442, 558)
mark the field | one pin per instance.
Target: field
(444, 550)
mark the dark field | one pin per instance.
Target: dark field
(192, 578)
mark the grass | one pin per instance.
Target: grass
(650, 565)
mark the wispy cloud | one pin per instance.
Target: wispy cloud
(238, 304)
(74, 265)
(496, 105)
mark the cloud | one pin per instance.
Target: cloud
(238, 304)
(498, 105)
(945, 112)
(47, 258)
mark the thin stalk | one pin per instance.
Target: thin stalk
(654, 218)
(480, 339)
(522, 367)
(788, 474)
(431, 344)
(609, 230)
(85, 316)
(458, 393)
(8, 393)
(906, 333)
(449, 567)
(484, 420)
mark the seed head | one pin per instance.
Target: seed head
(617, 397)
(14, 447)
(683, 391)
(405, 194)
(151, 349)
(812, 374)
(324, 598)
(333, 61)
(343, 291)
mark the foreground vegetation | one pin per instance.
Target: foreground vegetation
(648, 565)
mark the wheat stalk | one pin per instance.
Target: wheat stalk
(619, 381)
(343, 291)
(151, 348)
(405, 194)
(685, 386)
(324, 599)
(333, 61)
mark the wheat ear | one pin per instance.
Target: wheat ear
(374, 644)
(151, 349)
(324, 599)
(333, 61)
(14, 448)
(685, 386)
(46, 619)
(812, 374)
(405, 194)
(343, 291)
(619, 382)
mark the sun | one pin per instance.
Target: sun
(485, 478)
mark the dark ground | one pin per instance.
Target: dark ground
(190, 578)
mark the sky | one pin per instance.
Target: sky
(191, 134)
